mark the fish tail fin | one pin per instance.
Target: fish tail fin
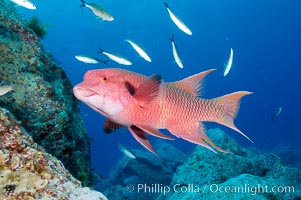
(166, 5)
(83, 3)
(105, 62)
(230, 106)
(100, 50)
(172, 38)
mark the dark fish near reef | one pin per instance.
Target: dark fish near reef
(277, 113)
(147, 104)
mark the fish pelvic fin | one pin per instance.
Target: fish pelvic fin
(230, 107)
(110, 127)
(193, 84)
(141, 137)
(148, 90)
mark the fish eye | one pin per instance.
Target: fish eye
(104, 78)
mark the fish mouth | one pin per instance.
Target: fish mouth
(83, 92)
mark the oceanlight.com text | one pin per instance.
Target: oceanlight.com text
(212, 188)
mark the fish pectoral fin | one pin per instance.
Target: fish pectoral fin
(193, 84)
(141, 137)
(148, 90)
(154, 132)
(110, 127)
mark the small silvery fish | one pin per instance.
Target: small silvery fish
(229, 64)
(175, 52)
(179, 23)
(89, 60)
(139, 50)
(5, 89)
(118, 59)
(25, 3)
(98, 11)
(125, 150)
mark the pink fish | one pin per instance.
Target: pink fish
(147, 104)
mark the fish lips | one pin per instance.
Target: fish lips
(81, 93)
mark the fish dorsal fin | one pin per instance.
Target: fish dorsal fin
(110, 126)
(154, 132)
(148, 90)
(193, 84)
(140, 136)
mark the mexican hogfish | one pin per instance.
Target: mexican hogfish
(147, 104)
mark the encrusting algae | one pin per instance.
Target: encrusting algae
(28, 172)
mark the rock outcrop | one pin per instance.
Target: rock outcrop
(42, 101)
(147, 168)
(28, 172)
(242, 174)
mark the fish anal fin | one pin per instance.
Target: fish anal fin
(204, 136)
(148, 90)
(154, 132)
(230, 107)
(141, 137)
(192, 132)
(195, 132)
(193, 84)
(110, 126)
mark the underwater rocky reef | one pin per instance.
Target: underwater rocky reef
(204, 174)
(42, 100)
(146, 168)
(242, 169)
(28, 172)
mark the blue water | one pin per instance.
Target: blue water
(264, 34)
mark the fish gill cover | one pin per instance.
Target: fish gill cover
(265, 61)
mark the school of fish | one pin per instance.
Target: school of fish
(104, 15)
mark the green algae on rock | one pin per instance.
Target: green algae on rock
(43, 100)
(28, 172)
(39, 28)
